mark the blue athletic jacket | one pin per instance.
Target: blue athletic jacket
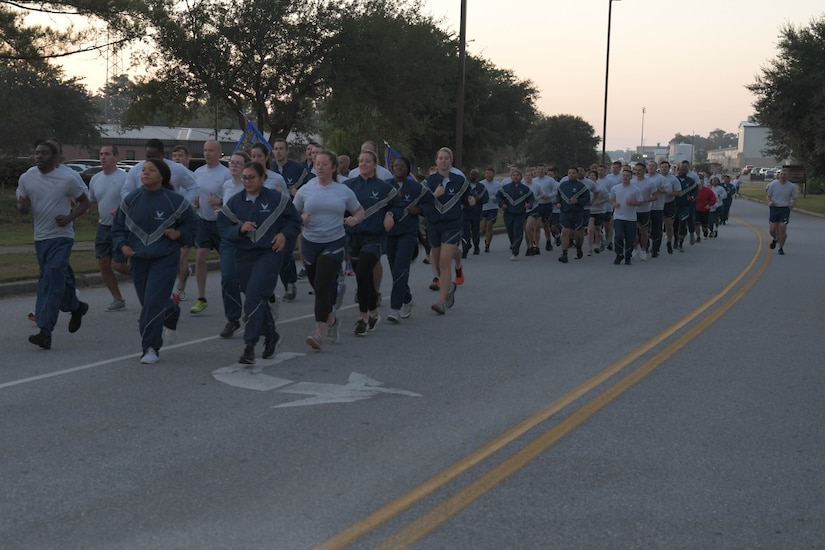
(411, 193)
(271, 211)
(294, 173)
(689, 189)
(376, 197)
(447, 207)
(573, 189)
(516, 197)
(144, 216)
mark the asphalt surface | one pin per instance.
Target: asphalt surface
(674, 403)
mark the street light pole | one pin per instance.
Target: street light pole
(642, 142)
(606, 79)
(459, 100)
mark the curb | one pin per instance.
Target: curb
(82, 280)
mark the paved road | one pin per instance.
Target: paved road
(673, 404)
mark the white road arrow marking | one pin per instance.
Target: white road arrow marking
(242, 376)
(357, 388)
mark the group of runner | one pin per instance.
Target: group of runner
(628, 209)
(254, 211)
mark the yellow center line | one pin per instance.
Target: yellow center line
(395, 507)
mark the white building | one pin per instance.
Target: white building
(753, 139)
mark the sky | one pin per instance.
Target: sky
(685, 62)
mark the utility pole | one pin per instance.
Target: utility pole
(459, 100)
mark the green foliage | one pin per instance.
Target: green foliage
(563, 141)
(41, 104)
(388, 71)
(395, 77)
(31, 45)
(264, 58)
(11, 170)
(791, 96)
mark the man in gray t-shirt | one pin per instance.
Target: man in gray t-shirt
(781, 195)
(56, 197)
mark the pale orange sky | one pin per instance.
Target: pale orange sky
(685, 61)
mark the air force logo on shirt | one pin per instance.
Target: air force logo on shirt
(264, 207)
(160, 215)
(375, 195)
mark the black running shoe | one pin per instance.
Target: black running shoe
(248, 356)
(41, 340)
(77, 316)
(271, 343)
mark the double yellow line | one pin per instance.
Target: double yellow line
(463, 498)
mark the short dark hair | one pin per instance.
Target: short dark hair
(115, 152)
(155, 143)
(48, 143)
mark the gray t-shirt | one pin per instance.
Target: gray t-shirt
(646, 187)
(782, 194)
(620, 193)
(51, 195)
(104, 189)
(326, 205)
(210, 182)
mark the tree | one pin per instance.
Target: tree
(387, 80)
(264, 58)
(499, 109)
(394, 77)
(34, 45)
(790, 96)
(41, 104)
(719, 139)
(562, 140)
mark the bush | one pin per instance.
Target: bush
(11, 169)
(816, 186)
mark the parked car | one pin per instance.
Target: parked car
(771, 173)
(89, 172)
(747, 169)
(86, 163)
(75, 166)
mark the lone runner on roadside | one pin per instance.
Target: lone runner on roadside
(781, 195)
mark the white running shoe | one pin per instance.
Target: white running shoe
(150, 357)
(406, 310)
(169, 336)
(643, 256)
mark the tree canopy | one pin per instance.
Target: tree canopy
(394, 77)
(347, 69)
(41, 104)
(790, 96)
(562, 140)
